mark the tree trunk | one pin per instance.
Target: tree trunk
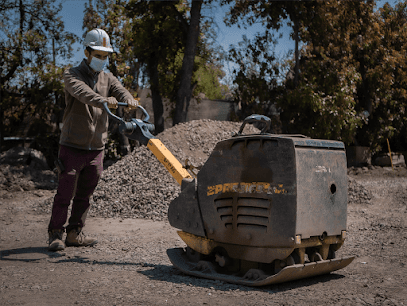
(1, 119)
(22, 17)
(185, 90)
(297, 53)
(158, 107)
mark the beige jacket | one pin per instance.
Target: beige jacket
(85, 122)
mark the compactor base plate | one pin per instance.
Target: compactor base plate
(205, 269)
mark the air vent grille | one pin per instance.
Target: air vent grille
(244, 213)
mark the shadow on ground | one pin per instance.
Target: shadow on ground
(28, 254)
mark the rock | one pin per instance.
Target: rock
(357, 193)
(24, 156)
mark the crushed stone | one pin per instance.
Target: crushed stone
(357, 193)
(138, 186)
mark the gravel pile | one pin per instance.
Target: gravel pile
(138, 186)
(357, 193)
(24, 169)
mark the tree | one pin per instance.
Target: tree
(256, 75)
(323, 103)
(159, 33)
(185, 88)
(271, 14)
(347, 81)
(32, 40)
(379, 51)
(369, 43)
(163, 34)
(259, 71)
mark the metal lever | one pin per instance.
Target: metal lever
(136, 129)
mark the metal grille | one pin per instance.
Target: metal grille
(244, 213)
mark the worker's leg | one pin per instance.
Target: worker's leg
(67, 182)
(73, 163)
(86, 185)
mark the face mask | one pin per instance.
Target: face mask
(98, 64)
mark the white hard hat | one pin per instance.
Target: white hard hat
(98, 39)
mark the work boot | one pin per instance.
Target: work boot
(76, 237)
(55, 242)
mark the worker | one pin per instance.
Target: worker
(83, 138)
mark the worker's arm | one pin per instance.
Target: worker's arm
(117, 90)
(81, 91)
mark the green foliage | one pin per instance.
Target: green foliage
(207, 79)
(160, 35)
(32, 40)
(112, 148)
(256, 85)
(351, 77)
(370, 44)
(326, 111)
(382, 61)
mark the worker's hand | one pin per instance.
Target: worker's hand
(111, 102)
(132, 104)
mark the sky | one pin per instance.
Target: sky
(73, 12)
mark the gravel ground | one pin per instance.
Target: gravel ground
(129, 265)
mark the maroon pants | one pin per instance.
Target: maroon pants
(78, 181)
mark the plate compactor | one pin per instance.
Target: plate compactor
(263, 209)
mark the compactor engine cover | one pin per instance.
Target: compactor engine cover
(263, 209)
(260, 198)
(263, 191)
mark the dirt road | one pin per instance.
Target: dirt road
(129, 265)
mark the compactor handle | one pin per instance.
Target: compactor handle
(136, 129)
(111, 115)
(141, 130)
(118, 119)
(146, 115)
(256, 118)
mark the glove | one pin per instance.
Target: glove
(132, 104)
(111, 102)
